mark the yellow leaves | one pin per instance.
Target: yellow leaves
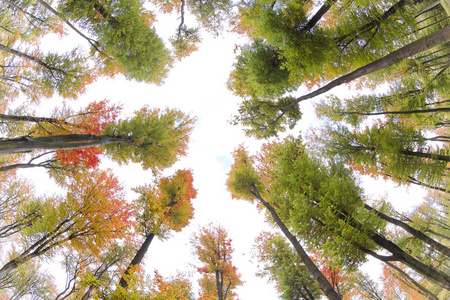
(166, 204)
(213, 248)
(243, 178)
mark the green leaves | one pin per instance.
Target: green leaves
(156, 138)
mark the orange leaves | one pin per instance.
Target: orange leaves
(167, 204)
(213, 247)
(86, 156)
(177, 287)
(91, 120)
(94, 118)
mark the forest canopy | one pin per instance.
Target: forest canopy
(96, 220)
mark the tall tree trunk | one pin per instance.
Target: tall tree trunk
(324, 285)
(56, 13)
(57, 142)
(104, 13)
(425, 43)
(416, 233)
(318, 15)
(137, 259)
(404, 112)
(219, 284)
(424, 291)
(440, 278)
(32, 58)
(420, 183)
(426, 155)
(144, 248)
(376, 22)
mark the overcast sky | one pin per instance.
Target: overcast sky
(197, 85)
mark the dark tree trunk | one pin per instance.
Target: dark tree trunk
(32, 58)
(324, 285)
(137, 259)
(426, 155)
(425, 43)
(318, 15)
(416, 233)
(440, 278)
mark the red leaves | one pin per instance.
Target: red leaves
(97, 115)
(91, 120)
(86, 156)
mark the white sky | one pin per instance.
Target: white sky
(197, 85)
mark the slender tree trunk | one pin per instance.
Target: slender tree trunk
(56, 13)
(438, 234)
(57, 142)
(310, 295)
(312, 268)
(137, 259)
(219, 285)
(32, 58)
(143, 250)
(426, 292)
(405, 112)
(318, 15)
(420, 183)
(425, 43)
(15, 118)
(104, 13)
(416, 233)
(376, 22)
(440, 278)
(426, 155)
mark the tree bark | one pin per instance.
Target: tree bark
(312, 268)
(440, 278)
(143, 250)
(425, 43)
(318, 15)
(405, 112)
(104, 13)
(416, 233)
(137, 259)
(219, 285)
(57, 142)
(426, 155)
(56, 13)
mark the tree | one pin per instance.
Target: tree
(262, 127)
(391, 147)
(90, 120)
(122, 31)
(160, 209)
(324, 205)
(244, 182)
(27, 281)
(153, 138)
(15, 194)
(92, 275)
(284, 267)
(213, 248)
(93, 215)
(177, 287)
(66, 74)
(258, 72)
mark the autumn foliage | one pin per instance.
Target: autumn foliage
(213, 248)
